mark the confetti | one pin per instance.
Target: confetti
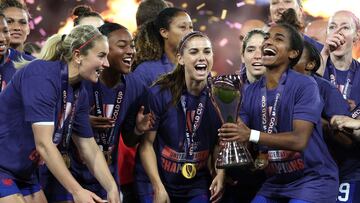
(31, 25)
(184, 5)
(228, 61)
(240, 4)
(202, 28)
(37, 20)
(223, 14)
(200, 6)
(42, 32)
(29, 1)
(223, 42)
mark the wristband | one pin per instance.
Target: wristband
(254, 136)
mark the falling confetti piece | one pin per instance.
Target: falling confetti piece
(42, 32)
(37, 20)
(38, 8)
(223, 14)
(240, 4)
(202, 28)
(30, 1)
(223, 42)
(200, 6)
(250, 1)
(31, 25)
(184, 5)
(228, 61)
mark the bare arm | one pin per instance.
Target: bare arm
(53, 159)
(96, 163)
(295, 140)
(149, 162)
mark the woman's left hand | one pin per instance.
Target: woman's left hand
(144, 122)
(217, 187)
(234, 132)
(113, 196)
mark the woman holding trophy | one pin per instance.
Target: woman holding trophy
(180, 143)
(281, 112)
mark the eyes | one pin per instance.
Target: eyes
(206, 51)
(185, 27)
(124, 44)
(21, 21)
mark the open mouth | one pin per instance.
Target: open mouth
(127, 60)
(256, 64)
(268, 52)
(200, 67)
(2, 47)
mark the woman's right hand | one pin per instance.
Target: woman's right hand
(161, 196)
(101, 122)
(85, 196)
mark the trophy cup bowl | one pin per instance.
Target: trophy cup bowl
(226, 97)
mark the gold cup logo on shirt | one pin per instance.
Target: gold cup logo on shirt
(188, 170)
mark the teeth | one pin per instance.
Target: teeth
(268, 50)
(201, 66)
(257, 64)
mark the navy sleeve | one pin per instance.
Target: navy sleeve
(81, 122)
(308, 105)
(40, 96)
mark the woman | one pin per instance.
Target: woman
(343, 71)
(251, 52)
(43, 105)
(156, 43)
(181, 99)
(17, 17)
(299, 166)
(84, 15)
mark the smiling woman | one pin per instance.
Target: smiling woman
(17, 17)
(180, 99)
(46, 105)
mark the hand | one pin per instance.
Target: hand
(113, 196)
(334, 41)
(161, 196)
(144, 122)
(217, 187)
(342, 122)
(234, 132)
(101, 122)
(351, 103)
(85, 196)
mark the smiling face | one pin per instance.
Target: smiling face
(18, 23)
(343, 23)
(197, 59)
(121, 50)
(4, 36)
(252, 55)
(277, 7)
(276, 49)
(94, 61)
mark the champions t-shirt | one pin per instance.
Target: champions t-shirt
(170, 142)
(349, 167)
(7, 68)
(108, 95)
(33, 95)
(310, 175)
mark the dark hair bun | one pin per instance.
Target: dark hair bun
(82, 10)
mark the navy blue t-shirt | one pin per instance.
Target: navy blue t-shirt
(310, 175)
(349, 168)
(169, 144)
(133, 89)
(316, 44)
(34, 95)
(7, 68)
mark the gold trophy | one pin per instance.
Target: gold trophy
(226, 96)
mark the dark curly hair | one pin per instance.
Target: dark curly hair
(83, 11)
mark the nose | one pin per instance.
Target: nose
(105, 63)
(257, 54)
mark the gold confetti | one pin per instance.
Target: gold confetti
(202, 28)
(223, 14)
(184, 5)
(200, 6)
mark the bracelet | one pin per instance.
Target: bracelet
(254, 136)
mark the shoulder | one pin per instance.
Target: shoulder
(41, 67)
(300, 80)
(15, 55)
(144, 66)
